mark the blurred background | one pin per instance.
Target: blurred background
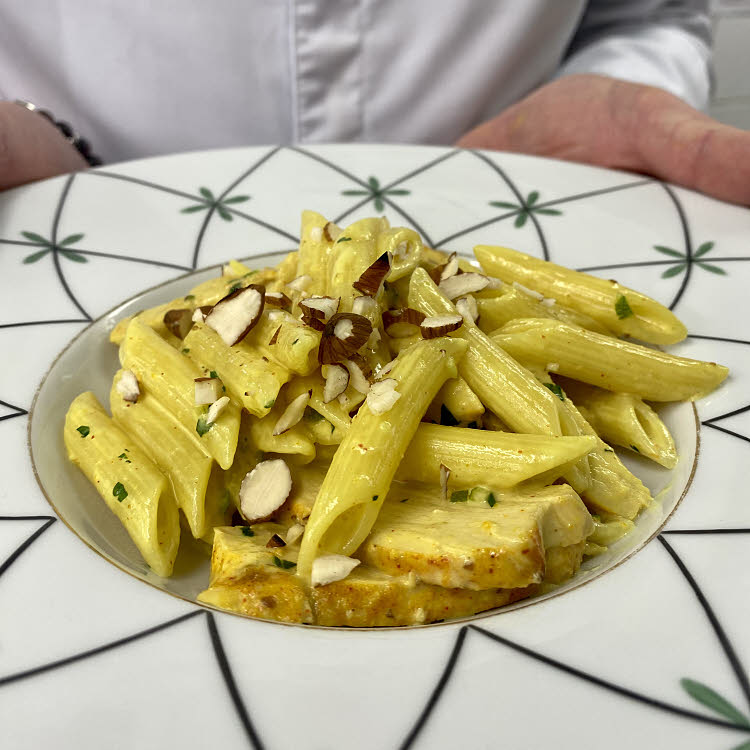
(730, 102)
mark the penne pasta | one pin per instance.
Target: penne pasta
(457, 397)
(127, 480)
(608, 362)
(170, 377)
(623, 311)
(362, 469)
(503, 385)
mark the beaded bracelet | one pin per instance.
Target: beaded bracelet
(80, 144)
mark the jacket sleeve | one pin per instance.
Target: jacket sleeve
(664, 43)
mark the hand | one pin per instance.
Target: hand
(613, 123)
(32, 148)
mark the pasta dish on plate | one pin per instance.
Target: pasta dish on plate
(376, 433)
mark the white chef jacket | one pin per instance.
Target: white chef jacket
(145, 77)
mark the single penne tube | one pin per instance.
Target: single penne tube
(295, 441)
(360, 474)
(502, 384)
(607, 362)
(352, 253)
(127, 480)
(251, 378)
(176, 450)
(314, 249)
(621, 310)
(624, 419)
(458, 398)
(488, 459)
(405, 247)
(208, 292)
(286, 340)
(611, 488)
(511, 303)
(170, 377)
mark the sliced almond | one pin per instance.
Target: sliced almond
(531, 292)
(366, 306)
(293, 413)
(198, 316)
(294, 532)
(317, 324)
(332, 231)
(301, 283)
(207, 390)
(235, 316)
(179, 322)
(264, 489)
(216, 408)
(445, 475)
(385, 369)
(549, 301)
(402, 323)
(382, 395)
(128, 386)
(321, 307)
(450, 267)
(278, 299)
(468, 309)
(357, 376)
(330, 568)
(344, 335)
(337, 380)
(369, 282)
(495, 283)
(275, 541)
(462, 284)
(440, 325)
(316, 234)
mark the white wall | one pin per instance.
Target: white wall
(731, 97)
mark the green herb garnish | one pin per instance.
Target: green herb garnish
(186, 351)
(635, 449)
(459, 496)
(404, 500)
(125, 458)
(283, 564)
(491, 500)
(247, 531)
(202, 427)
(189, 297)
(343, 239)
(237, 285)
(119, 492)
(622, 308)
(212, 374)
(295, 342)
(84, 430)
(269, 404)
(555, 388)
(374, 498)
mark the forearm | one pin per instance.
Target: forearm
(32, 148)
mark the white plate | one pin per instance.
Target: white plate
(111, 660)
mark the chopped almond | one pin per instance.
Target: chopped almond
(440, 325)
(343, 336)
(293, 413)
(235, 316)
(330, 568)
(216, 408)
(337, 380)
(371, 279)
(382, 395)
(463, 284)
(264, 489)
(301, 283)
(128, 386)
(207, 390)
(178, 322)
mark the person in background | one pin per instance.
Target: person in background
(617, 83)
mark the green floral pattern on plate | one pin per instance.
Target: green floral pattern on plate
(682, 264)
(525, 209)
(376, 193)
(220, 204)
(48, 246)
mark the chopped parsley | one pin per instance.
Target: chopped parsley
(374, 498)
(555, 388)
(186, 351)
(491, 500)
(212, 374)
(459, 496)
(343, 239)
(404, 500)
(269, 404)
(119, 492)
(295, 342)
(635, 449)
(283, 564)
(125, 458)
(226, 498)
(247, 531)
(237, 285)
(189, 297)
(202, 427)
(622, 308)
(84, 430)
(446, 417)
